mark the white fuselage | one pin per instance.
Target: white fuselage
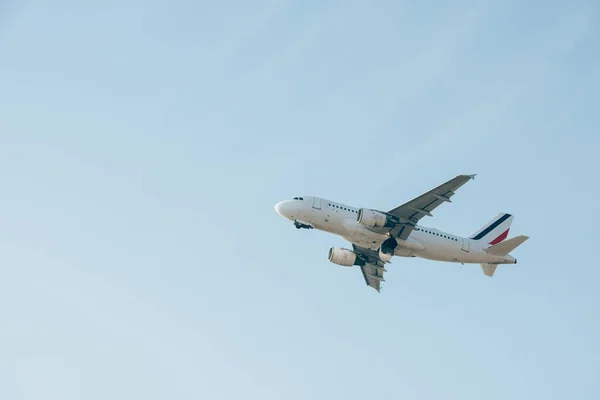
(423, 242)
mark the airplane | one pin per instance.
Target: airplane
(377, 236)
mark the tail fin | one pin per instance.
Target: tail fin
(489, 269)
(502, 249)
(494, 231)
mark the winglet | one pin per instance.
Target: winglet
(472, 176)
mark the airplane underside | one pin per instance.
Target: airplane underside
(377, 236)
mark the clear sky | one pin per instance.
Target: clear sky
(143, 145)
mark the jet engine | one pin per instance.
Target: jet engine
(385, 257)
(387, 249)
(343, 257)
(374, 218)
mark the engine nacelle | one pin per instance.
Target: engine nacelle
(373, 218)
(387, 249)
(343, 257)
(385, 257)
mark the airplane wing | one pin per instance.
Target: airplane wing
(410, 213)
(373, 269)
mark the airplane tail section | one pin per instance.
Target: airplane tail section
(502, 249)
(494, 231)
(489, 269)
(494, 234)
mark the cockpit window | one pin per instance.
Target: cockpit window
(298, 198)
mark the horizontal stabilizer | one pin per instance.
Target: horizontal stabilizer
(503, 248)
(489, 269)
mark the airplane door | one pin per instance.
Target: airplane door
(317, 203)
(466, 244)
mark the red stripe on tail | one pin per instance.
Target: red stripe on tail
(500, 238)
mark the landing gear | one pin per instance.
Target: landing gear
(300, 225)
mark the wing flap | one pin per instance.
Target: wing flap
(373, 268)
(373, 277)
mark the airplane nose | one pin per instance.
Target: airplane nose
(278, 208)
(283, 208)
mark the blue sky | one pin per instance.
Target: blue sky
(143, 145)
